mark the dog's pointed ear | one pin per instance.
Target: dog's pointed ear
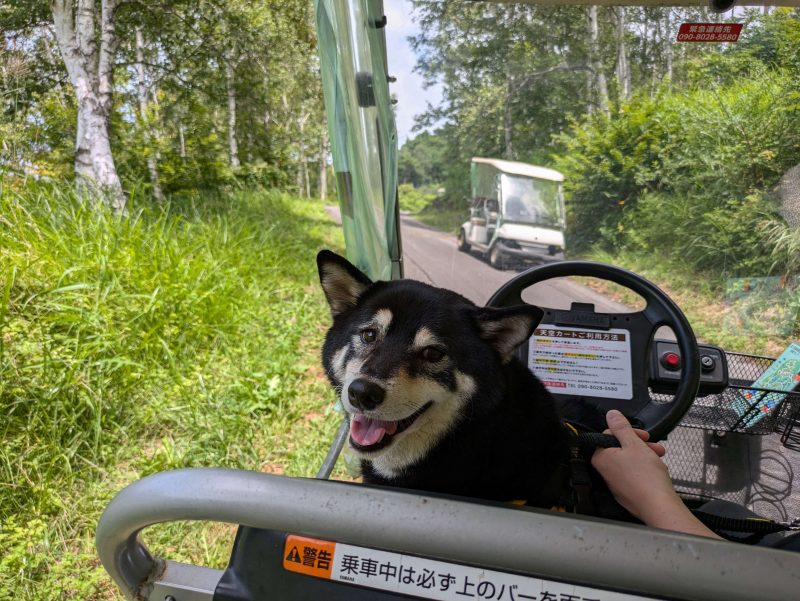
(341, 281)
(505, 329)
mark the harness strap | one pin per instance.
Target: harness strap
(589, 441)
(581, 483)
(581, 448)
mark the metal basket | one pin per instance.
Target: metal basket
(720, 449)
(740, 407)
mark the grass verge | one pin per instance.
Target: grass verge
(185, 335)
(446, 219)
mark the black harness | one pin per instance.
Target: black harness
(585, 499)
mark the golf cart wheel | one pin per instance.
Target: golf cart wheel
(463, 245)
(496, 258)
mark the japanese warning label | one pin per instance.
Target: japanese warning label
(427, 578)
(308, 556)
(582, 362)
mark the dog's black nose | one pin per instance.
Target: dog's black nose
(364, 394)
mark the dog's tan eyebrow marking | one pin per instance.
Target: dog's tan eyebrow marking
(383, 319)
(424, 338)
(465, 385)
(380, 321)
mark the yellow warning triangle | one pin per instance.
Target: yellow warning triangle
(293, 555)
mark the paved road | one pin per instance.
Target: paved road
(431, 256)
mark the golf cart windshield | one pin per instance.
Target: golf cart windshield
(362, 132)
(532, 200)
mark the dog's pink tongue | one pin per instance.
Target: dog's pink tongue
(367, 431)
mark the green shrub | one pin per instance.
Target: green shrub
(726, 239)
(416, 200)
(607, 161)
(686, 172)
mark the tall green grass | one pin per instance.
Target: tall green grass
(185, 335)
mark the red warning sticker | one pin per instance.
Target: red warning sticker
(709, 32)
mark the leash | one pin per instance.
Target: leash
(754, 528)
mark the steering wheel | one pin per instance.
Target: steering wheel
(658, 418)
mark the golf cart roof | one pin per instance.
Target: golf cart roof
(517, 168)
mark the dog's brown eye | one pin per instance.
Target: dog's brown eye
(369, 335)
(432, 354)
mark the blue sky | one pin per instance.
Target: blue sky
(412, 99)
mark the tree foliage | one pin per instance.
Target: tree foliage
(515, 75)
(420, 160)
(667, 148)
(195, 58)
(690, 173)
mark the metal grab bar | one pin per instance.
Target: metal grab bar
(591, 552)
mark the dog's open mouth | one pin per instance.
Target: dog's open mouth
(368, 434)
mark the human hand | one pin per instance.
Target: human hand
(634, 471)
(639, 479)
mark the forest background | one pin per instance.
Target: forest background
(681, 160)
(174, 319)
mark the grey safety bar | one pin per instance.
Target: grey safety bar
(583, 551)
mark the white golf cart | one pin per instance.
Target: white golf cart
(305, 539)
(516, 213)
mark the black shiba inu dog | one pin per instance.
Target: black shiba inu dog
(437, 399)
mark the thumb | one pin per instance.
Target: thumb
(621, 428)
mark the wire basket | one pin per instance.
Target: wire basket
(712, 454)
(753, 471)
(740, 407)
(789, 426)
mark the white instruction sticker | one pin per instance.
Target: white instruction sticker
(423, 578)
(579, 361)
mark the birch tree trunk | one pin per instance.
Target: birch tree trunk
(88, 42)
(596, 62)
(508, 120)
(623, 68)
(230, 83)
(302, 168)
(298, 181)
(149, 138)
(267, 114)
(656, 75)
(181, 140)
(669, 33)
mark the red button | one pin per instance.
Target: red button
(671, 360)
